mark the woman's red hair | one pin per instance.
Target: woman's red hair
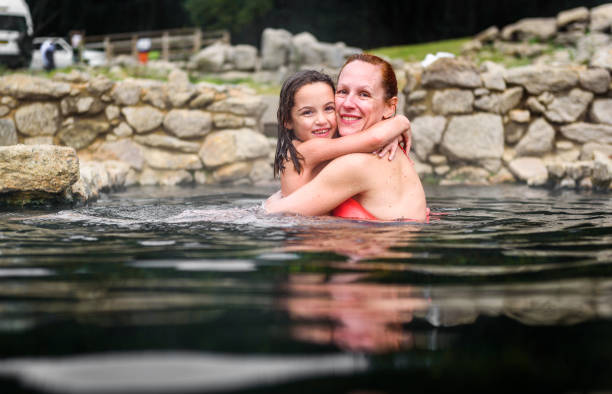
(389, 82)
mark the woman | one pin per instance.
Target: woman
(388, 190)
(307, 129)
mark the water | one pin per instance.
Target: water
(196, 290)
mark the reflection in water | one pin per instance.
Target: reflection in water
(509, 271)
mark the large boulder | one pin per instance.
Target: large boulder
(8, 133)
(188, 123)
(305, 50)
(539, 79)
(588, 132)
(601, 18)
(569, 107)
(26, 87)
(588, 45)
(601, 111)
(474, 137)
(37, 168)
(37, 119)
(580, 14)
(530, 28)
(212, 58)
(230, 146)
(426, 134)
(144, 118)
(82, 132)
(244, 57)
(538, 140)
(453, 101)
(451, 72)
(275, 48)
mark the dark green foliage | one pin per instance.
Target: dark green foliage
(233, 15)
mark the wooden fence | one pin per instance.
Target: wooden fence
(173, 44)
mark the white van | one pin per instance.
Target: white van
(16, 31)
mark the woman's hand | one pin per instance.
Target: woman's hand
(389, 149)
(405, 139)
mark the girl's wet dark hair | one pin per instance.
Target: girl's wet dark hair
(286, 101)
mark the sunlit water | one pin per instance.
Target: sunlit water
(506, 289)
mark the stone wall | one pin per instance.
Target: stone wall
(161, 133)
(542, 125)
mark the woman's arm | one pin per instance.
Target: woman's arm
(318, 150)
(337, 182)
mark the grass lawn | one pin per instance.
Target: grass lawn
(417, 52)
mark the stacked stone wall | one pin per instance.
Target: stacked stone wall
(136, 132)
(542, 125)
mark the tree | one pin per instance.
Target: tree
(234, 15)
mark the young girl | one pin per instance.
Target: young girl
(307, 129)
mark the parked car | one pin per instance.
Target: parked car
(63, 54)
(15, 33)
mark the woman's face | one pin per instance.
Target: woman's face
(313, 114)
(360, 98)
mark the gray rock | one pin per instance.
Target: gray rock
(588, 149)
(414, 110)
(37, 119)
(494, 80)
(227, 121)
(602, 58)
(580, 14)
(579, 169)
(156, 96)
(426, 134)
(437, 160)
(601, 18)
(202, 100)
(567, 183)
(261, 171)
(8, 133)
(538, 140)
(123, 130)
(4, 110)
(601, 111)
(22, 86)
(126, 93)
(539, 79)
(535, 106)
(81, 105)
(568, 108)
(451, 72)
(112, 113)
(417, 95)
(185, 123)
(144, 118)
(244, 106)
(519, 115)
(275, 48)
(602, 170)
(211, 58)
(99, 85)
(9, 101)
(82, 132)
(305, 50)
(179, 90)
(167, 142)
(589, 44)
(500, 103)
(588, 132)
(244, 57)
(556, 169)
(474, 137)
(124, 150)
(150, 177)
(513, 132)
(37, 168)
(166, 160)
(453, 101)
(488, 35)
(530, 28)
(231, 146)
(596, 80)
(529, 169)
(520, 49)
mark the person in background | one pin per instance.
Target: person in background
(47, 50)
(76, 40)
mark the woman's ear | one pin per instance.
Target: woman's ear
(390, 108)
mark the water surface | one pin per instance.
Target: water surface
(197, 290)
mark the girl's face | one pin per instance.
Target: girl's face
(313, 114)
(360, 98)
